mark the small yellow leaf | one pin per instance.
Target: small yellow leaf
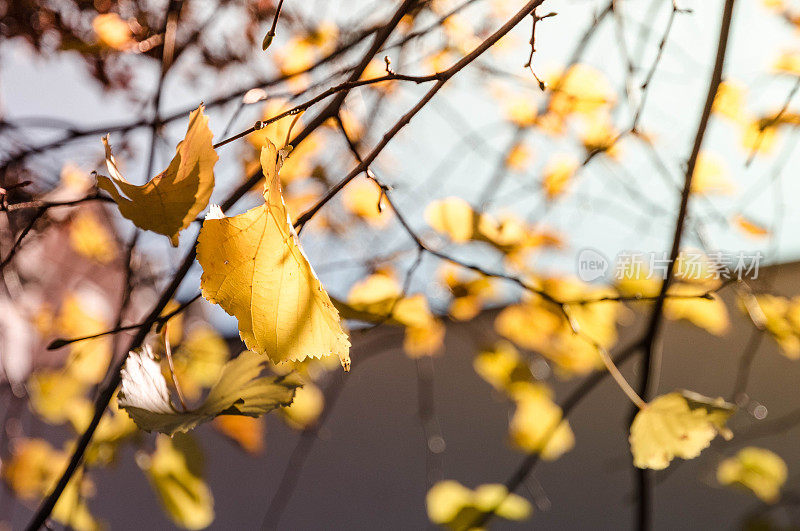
(750, 227)
(171, 200)
(759, 470)
(730, 101)
(452, 216)
(89, 238)
(54, 394)
(536, 425)
(361, 198)
(454, 506)
(558, 173)
(424, 340)
(502, 366)
(678, 424)
(306, 407)
(175, 472)
(710, 176)
(254, 268)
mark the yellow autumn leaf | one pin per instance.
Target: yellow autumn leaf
(519, 157)
(114, 429)
(171, 200)
(254, 268)
(502, 366)
(306, 407)
(711, 176)
(363, 198)
(537, 425)
(454, 506)
(425, 340)
(452, 216)
(239, 390)
(759, 135)
(175, 471)
(471, 292)
(557, 174)
(84, 313)
(55, 394)
(582, 89)
(788, 62)
(730, 100)
(112, 31)
(89, 238)
(199, 360)
(710, 314)
(759, 470)
(247, 432)
(750, 227)
(781, 319)
(679, 424)
(32, 471)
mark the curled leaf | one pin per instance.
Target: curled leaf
(171, 200)
(757, 469)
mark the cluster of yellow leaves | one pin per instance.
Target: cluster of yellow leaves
(470, 291)
(679, 424)
(175, 471)
(379, 298)
(781, 319)
(33, 469)
(171, 200)
(537, 425)
(558, 172)
(759, 470)
(456, 219)
(685, 297)
(254, 268)
(454, 506)
(539, 325)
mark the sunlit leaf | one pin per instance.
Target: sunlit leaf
(255, 269)
(537, 425)
(502, 366)
(761, 471)
(171, 200)
(90, 238)
(456, 507)
(678, 424)
(306, 407)
(112, 31)
(175, 471)
(239, 391)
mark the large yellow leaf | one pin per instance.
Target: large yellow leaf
(678, 424)
(171, 200)
(239, 391)
(255, 269)
(175, 472)
(537, 424)
(757, 469)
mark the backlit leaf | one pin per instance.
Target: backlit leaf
(239, 391)
(759, 470)
(175, 472)
(678, 424)
(255, 269)
(171, 200)
(454, 506)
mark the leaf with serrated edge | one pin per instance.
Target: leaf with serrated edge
(239, 391)
(254, 268)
